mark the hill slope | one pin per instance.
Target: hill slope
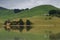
(36, 11)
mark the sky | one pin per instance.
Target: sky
(22, 4)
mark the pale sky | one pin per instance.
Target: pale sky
(11, 4)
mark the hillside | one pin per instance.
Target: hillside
(33, 12)
(36, 11)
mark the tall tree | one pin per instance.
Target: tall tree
(28, 25)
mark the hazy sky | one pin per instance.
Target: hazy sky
(11, 4)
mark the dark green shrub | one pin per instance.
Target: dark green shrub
(5, 25)
(28, 25)
(14, 25)
(21, 25)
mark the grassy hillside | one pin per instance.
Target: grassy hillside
(36, 11)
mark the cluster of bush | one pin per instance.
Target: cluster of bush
(54, 13)
(20, 10)
(53, 36)
(17, 25)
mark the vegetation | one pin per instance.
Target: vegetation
(54, 13)
(28, 25)
(17, 25)
(21, 23)
(17, 10)
(54, 36)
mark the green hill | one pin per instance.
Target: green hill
(36, 11)
(39, 10)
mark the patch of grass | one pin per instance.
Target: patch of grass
(4, 35)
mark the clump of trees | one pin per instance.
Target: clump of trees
(54, 13)
(13, 25)
(20, 10)
(17, 25)
(17, 10)
(28, 25)
(21, 23)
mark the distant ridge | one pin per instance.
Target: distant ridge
(45, 7)
(2, 8)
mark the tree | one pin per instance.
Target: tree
(27, 9)
(21, 25)
(7, 25)
(28, 25)
(58, 13)
(14, 25)
(17, 10)
(52, 12)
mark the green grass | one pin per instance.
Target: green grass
(5, 35)
(37, 32)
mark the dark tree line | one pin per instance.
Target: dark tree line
(17, 25)
(54, 13)
(20, 10)
(17, 10)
